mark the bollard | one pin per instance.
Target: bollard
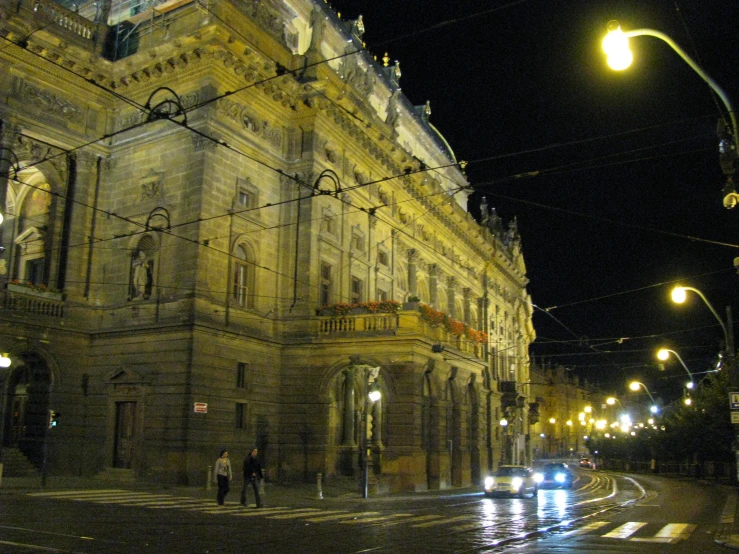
(208, 477)
(319, 478)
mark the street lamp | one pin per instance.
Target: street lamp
(635, 385)
(664, 354)
(679, 295)
(4, 364)
(616, 47)
(372, 395)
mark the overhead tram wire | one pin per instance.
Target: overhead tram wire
(638, 289)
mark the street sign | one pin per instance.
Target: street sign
(734, 417)
(202, 407)
(734, 400)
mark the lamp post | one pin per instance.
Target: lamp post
(636, 385)
(372, 395)
(4, 364)
(616, 47)
(679, 294)
(663, 354)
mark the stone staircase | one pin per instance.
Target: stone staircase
(15, 464)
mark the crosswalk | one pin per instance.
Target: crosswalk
(670, 533)
(635, 531)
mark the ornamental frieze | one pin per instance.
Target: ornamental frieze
(48, 102)
(133, 118)
(250, 122)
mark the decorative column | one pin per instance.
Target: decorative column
(434, 285)
(451, 297)
(412, 270)
(377, 424)
(348, 435)
(467, 294)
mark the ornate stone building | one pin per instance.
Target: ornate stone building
(196, 193)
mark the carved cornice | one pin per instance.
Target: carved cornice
(248, 121)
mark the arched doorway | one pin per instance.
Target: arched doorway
(27, 407)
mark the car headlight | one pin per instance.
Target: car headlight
(538, 477)
(516, 482)
(489, 482)
(560, 478)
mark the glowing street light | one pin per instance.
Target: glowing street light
(619, 57)
(4, 361)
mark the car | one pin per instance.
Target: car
(555, 475)
(511, 480)
(585, 462)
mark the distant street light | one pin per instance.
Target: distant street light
(616, 46)
(635, 385)
(664, 354)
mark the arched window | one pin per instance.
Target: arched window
(243, 276)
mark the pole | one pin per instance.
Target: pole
(365, 432)
(733, 377)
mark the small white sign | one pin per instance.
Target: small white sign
(734, 400)
(735, 417)
(200, 408)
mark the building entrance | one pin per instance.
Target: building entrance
(125, 434)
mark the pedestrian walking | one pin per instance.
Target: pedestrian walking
(252, 475)
(222, 475)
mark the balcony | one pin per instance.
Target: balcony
(401, 323)
(25, 300)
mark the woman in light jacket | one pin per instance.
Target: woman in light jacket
(222, 473)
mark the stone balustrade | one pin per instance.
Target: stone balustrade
(65, 18)
(24, 300)
(401, 323)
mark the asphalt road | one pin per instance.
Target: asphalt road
(603, 512)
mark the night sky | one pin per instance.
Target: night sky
(627, 198)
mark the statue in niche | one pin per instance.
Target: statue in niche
(142, 276)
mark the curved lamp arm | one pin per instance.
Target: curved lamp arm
(693, 65)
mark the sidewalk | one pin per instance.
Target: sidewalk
(728, 532)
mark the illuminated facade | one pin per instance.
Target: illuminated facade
(229, 216)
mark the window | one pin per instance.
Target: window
(325, 291)
(247, 196)
(329, 223)
(358, 242)
(382, 295)
(34, 271)
(383, 258)
(241, 370)
(243, 276)
(356, 293)
(246, 199)
(240, 415)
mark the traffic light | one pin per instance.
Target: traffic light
(53, 418)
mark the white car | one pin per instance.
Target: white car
(511, 480)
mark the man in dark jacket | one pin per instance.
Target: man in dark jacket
(252, 474)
